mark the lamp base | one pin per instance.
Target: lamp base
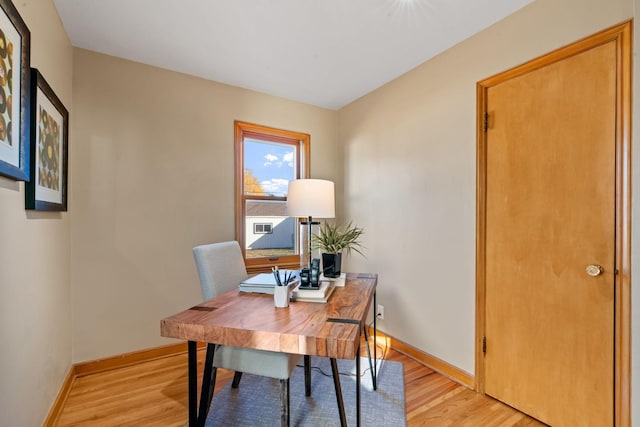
(306, 250)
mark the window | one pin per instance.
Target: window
(261, 228)
(266, 160)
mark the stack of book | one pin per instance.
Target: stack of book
(335, 281)
(263, 283)
(321, 294)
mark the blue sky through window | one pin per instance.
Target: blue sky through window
(272, 163)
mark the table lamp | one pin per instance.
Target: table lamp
(310, 198)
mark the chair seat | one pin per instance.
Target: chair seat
(258, 362)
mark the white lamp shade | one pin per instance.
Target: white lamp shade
(311, 198)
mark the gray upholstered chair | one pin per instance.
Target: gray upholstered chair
(221, 268)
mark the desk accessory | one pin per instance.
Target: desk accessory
(289, 276)
(335, 281)
(332, 240)
(308, 198)
(321, 294)
(282, 289)
(281, 296)
(264, 283)
(310, 277)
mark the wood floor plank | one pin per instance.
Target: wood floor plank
(154, 393)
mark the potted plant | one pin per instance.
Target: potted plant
(332, 239)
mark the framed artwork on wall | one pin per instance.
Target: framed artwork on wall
(47, 188)
(15, 45)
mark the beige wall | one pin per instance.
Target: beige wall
(409, 154)
(153, 177)
(35, 311)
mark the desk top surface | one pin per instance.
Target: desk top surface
(251, 320)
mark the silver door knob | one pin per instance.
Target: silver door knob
(594, 270)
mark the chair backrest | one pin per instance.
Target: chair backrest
(220, 267)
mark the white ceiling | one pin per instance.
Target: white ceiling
(321, 52)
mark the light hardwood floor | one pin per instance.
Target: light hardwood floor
(154, 393)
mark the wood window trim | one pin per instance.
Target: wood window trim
(241, 131)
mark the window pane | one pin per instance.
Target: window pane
(261, 228)
(268, 167)
(269, 231)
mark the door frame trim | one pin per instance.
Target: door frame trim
(622, 35)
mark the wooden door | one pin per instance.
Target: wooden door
(550, 212)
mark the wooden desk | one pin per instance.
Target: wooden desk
(330, 330)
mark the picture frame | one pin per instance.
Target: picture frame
(15, 51)
(47, 188)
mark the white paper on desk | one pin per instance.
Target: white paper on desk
(267, 279)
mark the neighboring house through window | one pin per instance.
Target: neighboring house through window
(262, 228)
(266, 160)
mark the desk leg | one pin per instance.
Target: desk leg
(366, 340)
(193, 384)
(373, 365)
(208, 383)
(375, 342)
(336, 383)
(358, 387)
(307, 375)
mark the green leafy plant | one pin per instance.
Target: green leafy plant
(333, 239)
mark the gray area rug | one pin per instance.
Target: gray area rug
(256, 402)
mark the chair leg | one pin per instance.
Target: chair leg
(284, 399)
(236, 379)
(307, 375)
